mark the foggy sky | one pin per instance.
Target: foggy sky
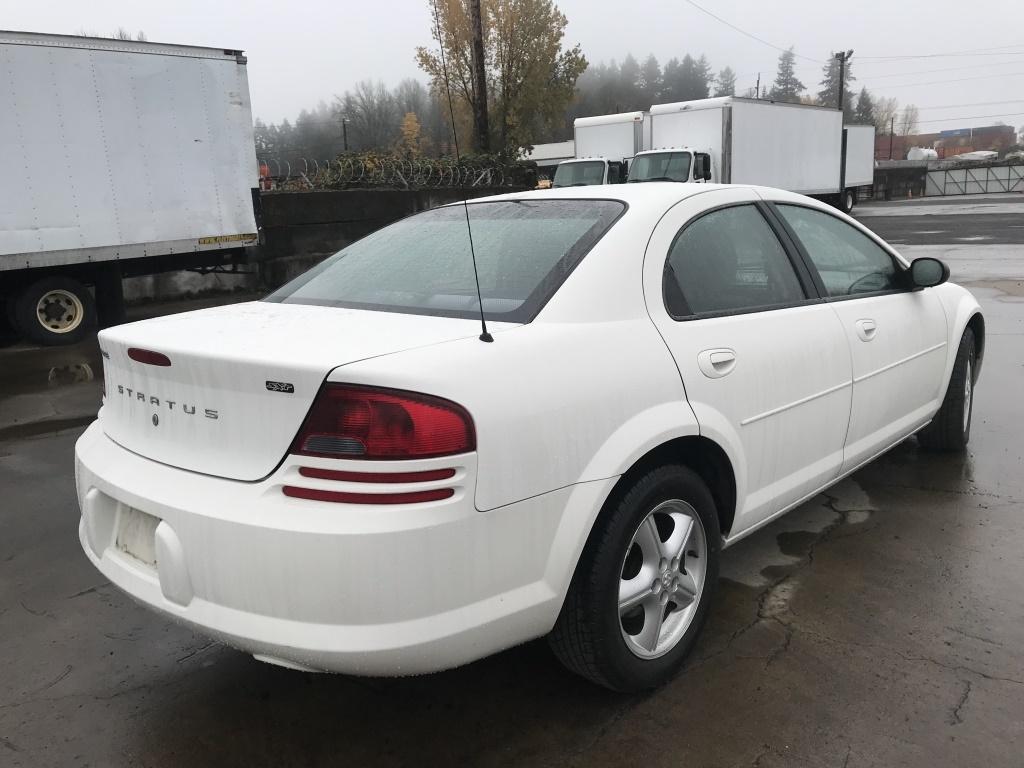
(302, 52)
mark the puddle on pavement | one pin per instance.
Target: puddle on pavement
(32, 370)
(765, 556)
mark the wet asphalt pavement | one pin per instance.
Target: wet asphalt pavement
(880, 624)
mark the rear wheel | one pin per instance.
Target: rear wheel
(55, 310)
(641, 591)
(847, 199)
(950, 430)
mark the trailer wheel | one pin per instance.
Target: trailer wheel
(55, 310)
(847, 199)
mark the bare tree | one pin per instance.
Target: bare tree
(885, 110)
(907, 122)
(124, 34)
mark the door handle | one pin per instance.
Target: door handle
(716, 363)
(866, 329)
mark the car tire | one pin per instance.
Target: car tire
(950, 429)
(55, 310)
(615, 646)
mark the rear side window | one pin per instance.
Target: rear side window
(848, 261)
(422, 264)
(728, 260)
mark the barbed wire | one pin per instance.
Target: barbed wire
(393, 171)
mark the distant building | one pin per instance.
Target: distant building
(947, 143)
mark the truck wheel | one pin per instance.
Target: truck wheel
(847, 199)
(55, 310)
(642, 588)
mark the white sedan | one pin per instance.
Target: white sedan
(346, 477)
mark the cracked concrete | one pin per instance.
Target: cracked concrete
(879, 624)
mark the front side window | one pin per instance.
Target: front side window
(728, 260)
(848, 261)
(422, 264)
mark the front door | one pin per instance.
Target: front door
(897, 336)
(763, 359)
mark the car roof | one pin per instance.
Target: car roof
(662, 194)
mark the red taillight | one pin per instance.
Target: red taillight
(148, 356)
(362, 422)
(344, 497)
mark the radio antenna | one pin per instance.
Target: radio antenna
(484, 335)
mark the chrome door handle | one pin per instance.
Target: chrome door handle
(716, 363)
(866, 329)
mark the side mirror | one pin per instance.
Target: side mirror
(707, 167)
(699, 165)
(927, 272)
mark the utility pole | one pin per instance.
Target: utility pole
(757, 88)
(344, 132)
(892, 130)
(842, 57)
(480, 126)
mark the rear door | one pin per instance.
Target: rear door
(897, 336)
(764, 360)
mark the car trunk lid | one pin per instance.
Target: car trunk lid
(241, 378)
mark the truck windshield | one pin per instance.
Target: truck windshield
(661, 166)
(422, 264)
(579, 174)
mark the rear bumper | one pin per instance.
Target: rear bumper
(376, 590)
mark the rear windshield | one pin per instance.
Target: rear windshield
(422, 264)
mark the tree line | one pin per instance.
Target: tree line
(533, 88)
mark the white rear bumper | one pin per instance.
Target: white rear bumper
(364, 589)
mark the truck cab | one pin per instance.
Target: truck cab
(587, 171)
(680, 164)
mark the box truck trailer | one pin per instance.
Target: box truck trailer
(604, 145)
(122, 158)
(734, 140)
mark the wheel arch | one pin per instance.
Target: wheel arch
(976, 323)
(701, 454)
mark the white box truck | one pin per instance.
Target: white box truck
(122, 158)
(735, 140)
(604, 146)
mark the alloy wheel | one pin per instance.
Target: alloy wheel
(662, 578)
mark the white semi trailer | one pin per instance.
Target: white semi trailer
(735, 140)
(121, 158)
(604, 146)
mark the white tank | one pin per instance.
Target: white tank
(922, 153)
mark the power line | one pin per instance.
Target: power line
(967, 52)
(872, 78)
(970, 117)
(976, 104)
(955, 80)
(748, 34)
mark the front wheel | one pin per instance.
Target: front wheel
(950, 430)
(641, 591)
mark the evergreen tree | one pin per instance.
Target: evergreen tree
(828, 96)
(650, 81)
(787, 87)
(629, 84)
(865, 112)
(725, 83)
